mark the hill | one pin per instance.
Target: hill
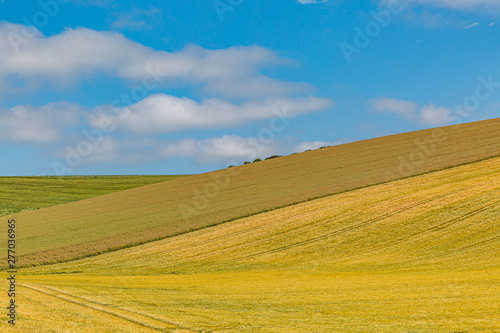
(21, 194)
(157, 211)
(413, 255)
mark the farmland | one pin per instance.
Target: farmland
(21, 194)
(140, 215)
(413, 255)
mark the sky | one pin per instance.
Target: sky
(183, 87)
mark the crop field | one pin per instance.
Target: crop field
(135, 216)
(419, 254)
(21, 194)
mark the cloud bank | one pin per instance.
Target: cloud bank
(163, 113)
(29, 57)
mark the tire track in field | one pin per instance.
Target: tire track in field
(82, 302)
(301, 228)
(456, 251)
(310, 226)
(443, 225)
(441, 255)
(235, 233)
(244, 244)
(314, 225)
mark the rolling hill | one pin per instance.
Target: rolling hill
(21, 194)
(414, 255)
(162, 210)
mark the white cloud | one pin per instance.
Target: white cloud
(137, 19)
(429, 114)
(308, 2)
(405, 109)
(74, 54)
(162, 113)
(65, 56)
(451, 4)
(227, 148)
(71, 133)
(460, 4)
(472, 25)
(310, 145)
(442, 13)
(436, 116)
(27, 123)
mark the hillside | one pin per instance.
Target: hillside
(413, 255)
(21, 194)
(160, 210)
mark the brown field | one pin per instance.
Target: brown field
(158, 211)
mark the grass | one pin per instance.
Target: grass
(413, 255)
(22, 194)
(162, 210)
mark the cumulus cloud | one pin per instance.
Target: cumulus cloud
(157, 114)
(26, 123)
(429, 114)
(434, 115)
(162, 113)
(75, 53)
(234, 75)
(76, 136)
(227, 148)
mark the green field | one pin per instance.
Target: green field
(161, 210)
(21, 194)
(413, 255)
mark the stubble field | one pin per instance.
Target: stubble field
(414, 255)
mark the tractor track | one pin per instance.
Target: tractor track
(95, 306)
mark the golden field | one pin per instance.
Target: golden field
(127, 218)
(419, 254)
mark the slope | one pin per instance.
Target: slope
(160, 210)
(20, 194)
(413, 255)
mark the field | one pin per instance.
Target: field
(21, 194)
(413, 255)
(157, 211)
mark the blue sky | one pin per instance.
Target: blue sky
(176, 87)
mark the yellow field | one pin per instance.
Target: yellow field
(140, 215)
(264, 302)
(414, 255)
